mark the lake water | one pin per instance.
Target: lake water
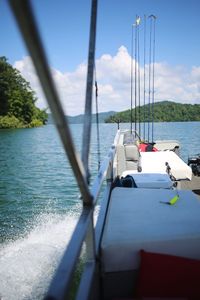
(39, 201)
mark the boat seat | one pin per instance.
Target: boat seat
(129, 138)
(127, 158)
(150, 180)
(138, 218)
(132, 156)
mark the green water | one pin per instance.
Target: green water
(34, 174)
(39, 199)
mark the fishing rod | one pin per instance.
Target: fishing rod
(138, 39)
(153, 62)
(132, 78)
(149, 98)
(151, 77)
(136, 74)
(144, 133)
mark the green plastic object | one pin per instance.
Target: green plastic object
(174, 200)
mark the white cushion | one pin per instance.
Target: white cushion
(166, 145)
(131, 152)
(121, 162)
(131, 165)
(137, 219)
(155, 162)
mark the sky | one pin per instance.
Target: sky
(64, 27)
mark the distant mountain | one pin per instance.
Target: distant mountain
(165, 111)
(79, 118)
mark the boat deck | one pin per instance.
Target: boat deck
(193, 185)
(138, 217)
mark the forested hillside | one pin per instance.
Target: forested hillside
(79, 119)
(17, 100)
(165, 111)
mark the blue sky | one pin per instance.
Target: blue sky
(64, 26)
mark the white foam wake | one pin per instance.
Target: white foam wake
(27, 264)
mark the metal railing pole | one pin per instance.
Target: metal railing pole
(89, 91)
(26, 21)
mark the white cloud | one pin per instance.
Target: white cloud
(27, 70)
(113, 74)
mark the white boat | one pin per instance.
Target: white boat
(146, 242)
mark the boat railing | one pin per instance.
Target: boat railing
(84, 230)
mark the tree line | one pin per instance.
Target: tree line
(165, 111)
(17, 100)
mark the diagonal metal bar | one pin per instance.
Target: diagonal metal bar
(89, 90)
(86, 282)
(60, 286)
(26, 21)
(99, 179)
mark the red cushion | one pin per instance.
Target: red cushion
(143, 147)
(164, 275)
